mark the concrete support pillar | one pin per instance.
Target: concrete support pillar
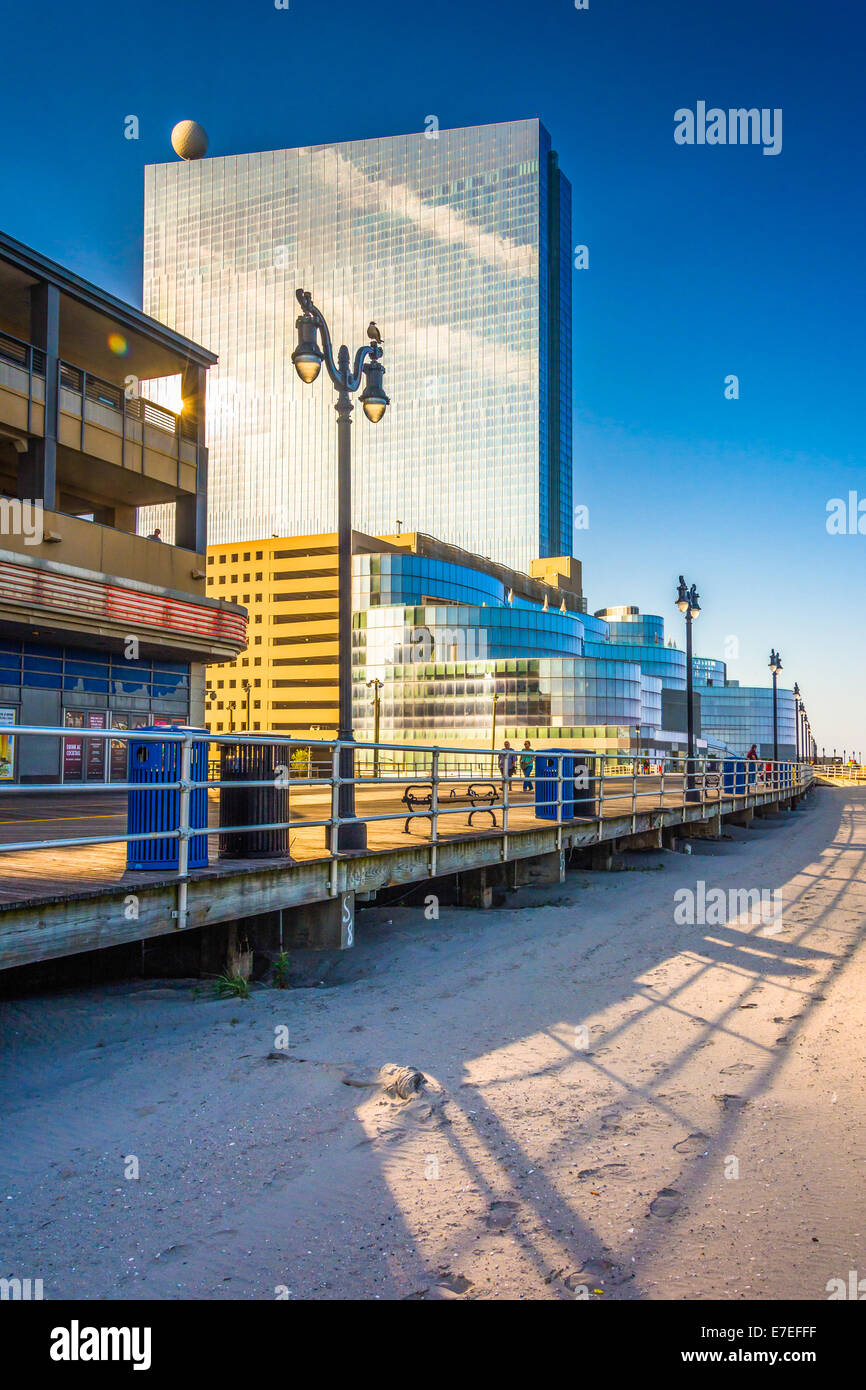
(324, 926)
(476, 888)
(646, 839)
(741, 817)
(541, 868)
(601, 856)
(190, 513)
(37, 469)
(226, 950)
(709, 829)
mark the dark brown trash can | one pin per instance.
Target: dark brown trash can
(241, 804)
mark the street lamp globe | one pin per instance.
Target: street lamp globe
(307, 356)
(373, 397)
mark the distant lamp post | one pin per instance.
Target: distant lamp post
(231, 706)
(313, 348)
(797, 707)
(247, 688)
(377, 703)
(775, 667)
(495, 696)
(687, 603)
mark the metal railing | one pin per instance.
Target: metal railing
(844, 774)
(20, 354)
(443, 789)
(107, 393)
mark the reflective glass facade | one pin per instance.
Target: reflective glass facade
(441, 662)
(459, 246)
(443, 637)
(743, 715)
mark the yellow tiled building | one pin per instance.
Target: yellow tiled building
(289, 586)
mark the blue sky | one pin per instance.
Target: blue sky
(704, 261)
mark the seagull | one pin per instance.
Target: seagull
(373, 333)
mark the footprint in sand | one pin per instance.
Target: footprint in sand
(731, 1102)
(693, 1145)
(607, 1170)
(738, 1068)
(501, 1215)
(666, 1204)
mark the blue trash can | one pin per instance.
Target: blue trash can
(546, 775)
(151, 811)
(734, 776)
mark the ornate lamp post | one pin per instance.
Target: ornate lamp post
(775, 667)
(687, 603)
(797, 708)
(489, 676)
(247, 688)
(377, 704)
(308, 357)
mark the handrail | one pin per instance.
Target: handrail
(107, 393)
(22, 354)
(701, 784)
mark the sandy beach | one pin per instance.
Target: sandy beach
(616, 1104)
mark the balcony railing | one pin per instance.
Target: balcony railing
(24, 355)
(96, 389)
(106, 393)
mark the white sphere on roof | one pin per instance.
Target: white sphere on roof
(189, 140)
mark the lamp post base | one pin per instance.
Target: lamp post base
(350, 836)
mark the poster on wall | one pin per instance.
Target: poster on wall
(8, 717)
(73, 748)
(96, 748)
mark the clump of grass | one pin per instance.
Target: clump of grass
(231, 987)
(281, 970)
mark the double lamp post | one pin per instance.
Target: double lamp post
(313, 348)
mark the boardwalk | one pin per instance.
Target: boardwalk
(31, 875)
(592, 1067)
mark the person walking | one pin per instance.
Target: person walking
(507, 762)
(752, 760)
(527, 760)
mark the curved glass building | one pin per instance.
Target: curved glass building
(449, 639)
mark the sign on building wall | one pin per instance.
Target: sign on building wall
(8, 717)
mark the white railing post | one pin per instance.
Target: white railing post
(183, 833)
(434, 813)
(559, 763)
(335, 816)
(506, 788)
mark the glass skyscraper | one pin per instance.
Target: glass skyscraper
(458, 244)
